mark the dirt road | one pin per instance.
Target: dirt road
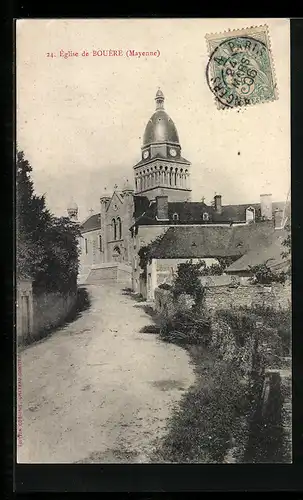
(99, 389)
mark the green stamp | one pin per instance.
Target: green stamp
(240, 70)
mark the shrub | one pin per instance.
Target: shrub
(187, 281)
(185, 327)
(165, 286)
(277, 319)
(216, 269)
(264, 275)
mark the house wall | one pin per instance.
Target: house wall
(144, 236)
(94, 255)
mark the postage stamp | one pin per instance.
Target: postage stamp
(240, 69)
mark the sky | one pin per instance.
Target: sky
(81, 120)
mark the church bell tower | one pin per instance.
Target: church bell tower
(162, 171)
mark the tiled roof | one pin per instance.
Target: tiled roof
(211, 241)
(192, 211)
(91, 223)
(146, 211)
(259, 254)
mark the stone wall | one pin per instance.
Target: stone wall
(110, 271)
(124, 274)
(224, 297)
(102, 273)
(49, 311)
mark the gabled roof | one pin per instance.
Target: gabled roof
(118, 194)
(91, 223)
(269, 252)
(210, 241)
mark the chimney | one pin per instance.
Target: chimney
(218, 203)
(278, 218)
(162, 207)
(266, 206)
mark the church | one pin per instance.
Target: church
(159, 198)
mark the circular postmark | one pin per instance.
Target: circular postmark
(239, 72)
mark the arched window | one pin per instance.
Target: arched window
(205, 216)
(85, 244)
(171, 175)
(175, 216)
(119, 224)
(100, 242)
(117, 254)
(114, 224)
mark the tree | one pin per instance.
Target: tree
(145, 251)
(187, 281)
(47, 246)
(32, 218)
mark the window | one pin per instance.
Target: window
(85, 244)
(100, 243)
(114, 224)
(175, 216)
(250, 214)
(119, 223)
(205, 216)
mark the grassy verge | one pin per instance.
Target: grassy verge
(211, 416)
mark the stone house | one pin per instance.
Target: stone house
(209, 243)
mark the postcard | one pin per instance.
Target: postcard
(153, 279)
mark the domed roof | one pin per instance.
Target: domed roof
(72, 205)
(160, 127)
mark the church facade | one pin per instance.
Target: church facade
(162, 172)
(160, 198)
